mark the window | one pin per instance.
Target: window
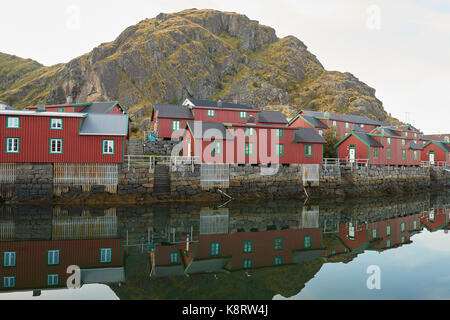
(13, 122)
(279, 150)
(403, 142)
(347, 125)
(214, 249)
(307, 242)
(416, 155)
(278, 244)
(56, 146)
(308, 151)
(447, 139)
(176, 125)
(334, 123)
(388, 230)
(9, 282)
(415, 225)
(362, 125)
(406, 134)
(389, 154)
(280, 133)
(375, 153)
(403, 239)
(374, 233)
(249, 132)
(61, 109)
(174, 257)
(52, 257)
(56, 124)
(12, 145)
(321, 132)
(403, 227)
(415, 135)
(52, 279)
(248, 263)
(248, 149)
(243, 115)
(389, 141)
(108, 147)
(216, 148)
(105, 255)
(278, 261)
(388, 243)
(403, 154)
(248, 246)
(9, 259)
(211, 113)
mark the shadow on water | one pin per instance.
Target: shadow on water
(228, 251)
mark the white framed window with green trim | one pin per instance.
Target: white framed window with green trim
(248, 246)
(13, 122)
(279, 150)
(278, 261)
(248, 263)
(249, 149)
(214, 249)
(9, 282)
(56, 146)
(9, 259)
(211, 113)
(105, 255)
(12, 145)
(243, 115)
(216, 148)
(56, 123)
(108, 147)
(52, 280)
(279, 133)
(278, 244)
(174, 257)
(307, 242)
(375, 153)
(249, 132)
(309, 151)
(53, 257)
(389, 154)
(176, 125)
(403, 154)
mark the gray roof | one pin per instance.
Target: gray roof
(367, 139)
(308, 135)
(5, 106)
(217, 104)
(99, 107)
(208, 265)
(387, 132)
(315, 122)
(415, 146)
(208, 130)
(344, 117)
(173, 111)
(271, 117)
(105, 124)
(424, 138)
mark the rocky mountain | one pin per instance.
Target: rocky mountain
(202, 54)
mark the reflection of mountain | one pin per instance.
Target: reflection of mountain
(39, 260)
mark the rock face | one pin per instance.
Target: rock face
(202, 54)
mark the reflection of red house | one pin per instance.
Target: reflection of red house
(436, 219)
(31, 266)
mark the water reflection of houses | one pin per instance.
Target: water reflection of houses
(31, 261)
(217, 249)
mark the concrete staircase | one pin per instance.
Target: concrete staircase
(161, 182)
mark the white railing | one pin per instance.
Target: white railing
(152, 161)
(336, 162)
(427, 164)
(7, 172)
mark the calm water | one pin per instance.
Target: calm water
(277, 250)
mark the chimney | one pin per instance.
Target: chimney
(219, 103)
(69, 100)
(41, 107)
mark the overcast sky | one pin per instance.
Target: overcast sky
(401, 48)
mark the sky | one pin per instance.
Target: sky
(401, 48)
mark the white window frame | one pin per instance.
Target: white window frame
(13, 125)
(105, 255)
(9, 258)
(16, 145)
(52, 279)
(56, 123)
(58, 146)
(53, 257)
(110, 144)
(9, 282)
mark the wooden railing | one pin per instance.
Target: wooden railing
(427, 164)
(336, 162)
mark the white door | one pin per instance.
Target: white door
(189, 148)
(352, 155)
(431, 157)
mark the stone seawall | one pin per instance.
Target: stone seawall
(141, 147)
(136, 184)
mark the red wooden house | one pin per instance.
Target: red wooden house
(436, 152)
(383, 146)
(341, 123)
(91, 107)
(435, 219)
(62, 137)
(168, 121)
(215, 142)
(444, 137)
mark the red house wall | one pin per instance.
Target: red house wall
(35, 135)
(439, 154)
(165, 128)
(223, 115)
